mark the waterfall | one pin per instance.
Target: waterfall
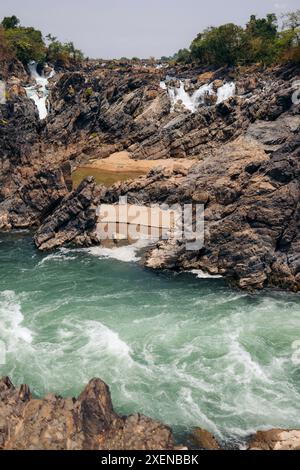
(39, 92)
(178, 95)
(226, 91)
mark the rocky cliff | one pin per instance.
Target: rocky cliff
(86, 423)
(246, 175)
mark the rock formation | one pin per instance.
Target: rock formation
(246, 175)
(276, 439)
(86, 423)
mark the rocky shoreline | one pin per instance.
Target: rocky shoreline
(89, 422)
(246, 170)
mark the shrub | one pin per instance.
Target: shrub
(62, 53)
(27, 44)
(10, 22)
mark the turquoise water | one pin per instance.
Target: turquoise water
(188, 351)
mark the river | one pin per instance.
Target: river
(188, 351)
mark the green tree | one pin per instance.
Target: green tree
(259, 40)
(27, 44)
(218, 46)
(60, 53)
(183, 56)
(265, 28)
(10, 22)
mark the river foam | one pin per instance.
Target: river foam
(39, 92)
(192, 102)
(187, 351)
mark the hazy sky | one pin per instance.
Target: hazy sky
(143, 28)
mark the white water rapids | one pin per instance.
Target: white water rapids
(194, 101)
(39, 92)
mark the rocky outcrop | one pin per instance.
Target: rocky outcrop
(251, 202)
(276, 439)
(36, 199)
(74, 221)
(251, 213)
(88, 422)
(247, 175)
(203, 439)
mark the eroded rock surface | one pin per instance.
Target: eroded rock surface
(88, 422)
(246, 172)
(251, 201)
(276, 439)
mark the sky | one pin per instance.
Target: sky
(135, 28)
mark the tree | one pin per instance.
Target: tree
(291, 20)
(60, 53)
(259, 40)
(183, 56)
(264, 28)
(10, 22)
(218, 46)
(27, 44)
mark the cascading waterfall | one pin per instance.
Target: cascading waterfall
(39, 92)
(178, 95)
(226, 91)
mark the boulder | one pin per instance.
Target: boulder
(203, 439)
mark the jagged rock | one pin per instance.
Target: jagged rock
(251, 213)
(275, 133)
(205, 440)
(88, 422)
(35, 200)
(276, 439)
(249, 185)
(74, 221)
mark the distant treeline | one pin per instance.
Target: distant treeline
(262, 41)
(26, 43)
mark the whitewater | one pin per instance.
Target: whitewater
(182, 348)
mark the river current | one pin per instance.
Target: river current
(185, 350)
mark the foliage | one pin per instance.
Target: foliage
(62, 53)
(218, 46)
(183, 56)
(10, 22)
(5, 52)
(260, 41)
(26, 44)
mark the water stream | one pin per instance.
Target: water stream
(192, 102)
(39, 92)
(185, 350)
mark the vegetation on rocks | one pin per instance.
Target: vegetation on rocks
(27, 43)
(261, 41)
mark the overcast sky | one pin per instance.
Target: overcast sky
(143, 28)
